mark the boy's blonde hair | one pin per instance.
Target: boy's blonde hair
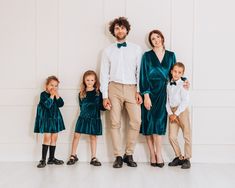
(179, 64)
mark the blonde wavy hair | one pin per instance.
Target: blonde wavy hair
(82, 92)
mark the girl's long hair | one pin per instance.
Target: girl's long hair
(83, 85)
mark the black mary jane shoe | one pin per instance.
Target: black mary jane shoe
(72, 160)
(95, 162)
(41, 164)
(55, 161)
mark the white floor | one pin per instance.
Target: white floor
(83, 175)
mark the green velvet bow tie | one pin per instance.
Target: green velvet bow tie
(172, 83)
(119, 45)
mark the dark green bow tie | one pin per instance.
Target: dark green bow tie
(119, 45)
(183, 78)
(172, 83)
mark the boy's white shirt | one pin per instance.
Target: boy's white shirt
(177, 96)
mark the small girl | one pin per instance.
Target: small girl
(89, 122)
(49, 120)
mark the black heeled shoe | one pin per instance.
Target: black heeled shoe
(160, 165)
(153, 164)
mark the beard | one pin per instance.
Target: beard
(121, 38)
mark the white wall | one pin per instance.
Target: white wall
(39, 38)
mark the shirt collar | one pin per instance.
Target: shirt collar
(177, 81)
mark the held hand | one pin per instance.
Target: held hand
(108, 107)
(147, 102)
(107, 104)
(186, 84)
(177, 120)
(138, 98)
(173, 118)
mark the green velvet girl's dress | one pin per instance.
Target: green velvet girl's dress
(154, 76)
(49, 118)
(89, 121)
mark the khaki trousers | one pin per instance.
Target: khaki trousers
(123, 96)
(184, 124)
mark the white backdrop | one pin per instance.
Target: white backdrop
(39, 38)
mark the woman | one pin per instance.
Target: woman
(154, 75)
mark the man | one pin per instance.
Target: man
(119, 78)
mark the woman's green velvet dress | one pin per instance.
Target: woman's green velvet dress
(49, 118)
(154, 76)
(89, 121)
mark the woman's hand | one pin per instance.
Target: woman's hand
(147, 102)
(186, 85)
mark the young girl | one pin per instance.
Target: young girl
(89, 122)
(49, 120)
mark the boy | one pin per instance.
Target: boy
(177, 109)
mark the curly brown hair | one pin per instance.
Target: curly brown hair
(82, 92)
(121, 21)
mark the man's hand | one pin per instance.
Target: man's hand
(107, 104)
(138, 98)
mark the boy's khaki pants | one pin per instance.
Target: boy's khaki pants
(184, 124)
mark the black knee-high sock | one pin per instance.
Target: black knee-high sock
(44, 151)
(52, 152)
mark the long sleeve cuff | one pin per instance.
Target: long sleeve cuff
(170, 113)
(145, 92)
(138, 88)
(105, 95)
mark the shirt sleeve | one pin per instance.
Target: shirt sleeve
(139, 56)
(104, 74)
(168, 107)
(184, 101)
